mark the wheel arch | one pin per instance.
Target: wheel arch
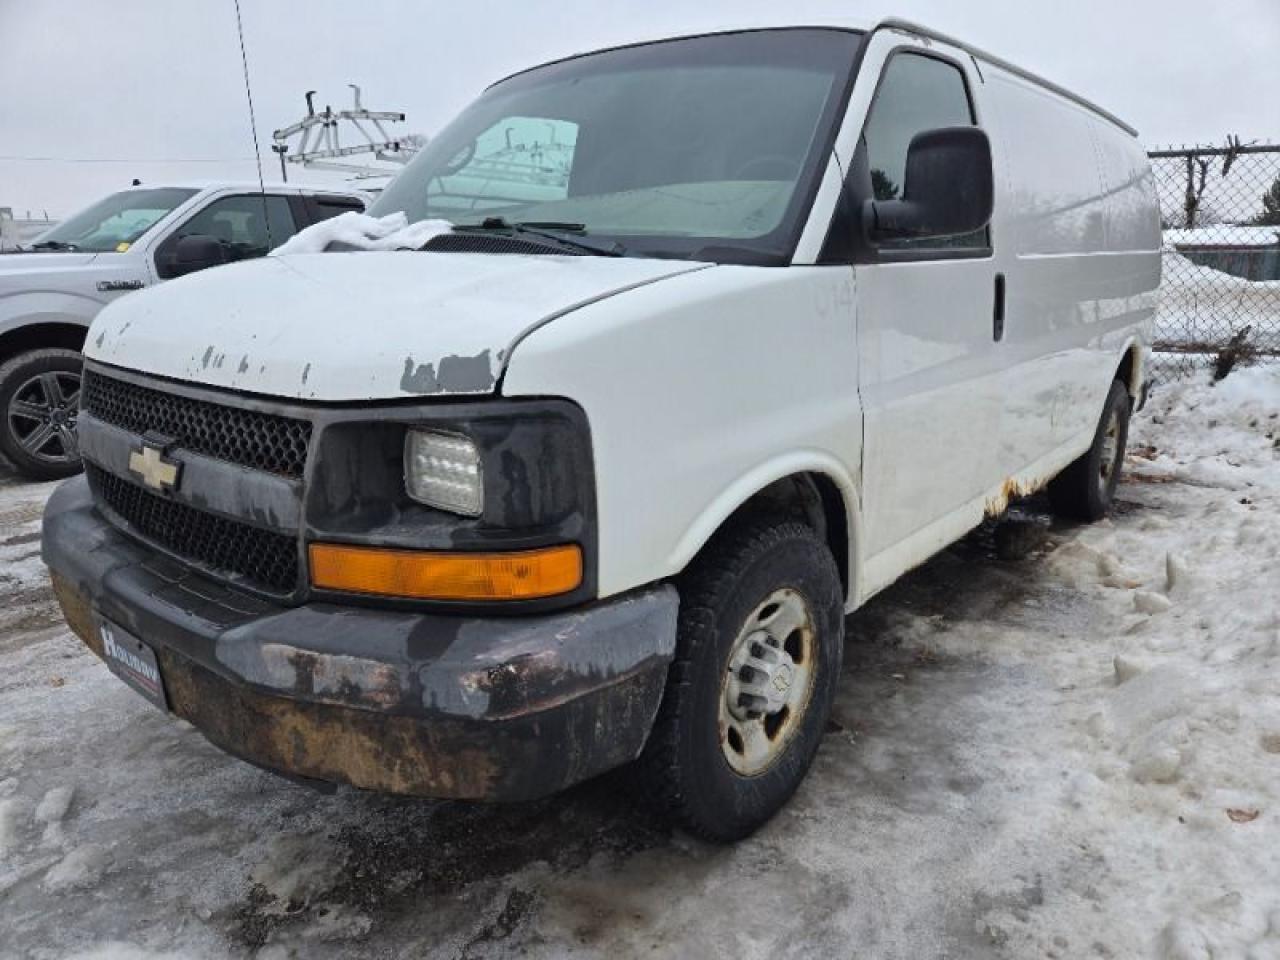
(41, 334)
(1131, 369)
(813, 488)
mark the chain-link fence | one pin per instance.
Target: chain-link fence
(1220, 209)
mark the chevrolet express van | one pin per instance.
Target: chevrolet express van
(729, 332)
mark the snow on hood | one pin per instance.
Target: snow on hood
(362, 232)
(356, 326)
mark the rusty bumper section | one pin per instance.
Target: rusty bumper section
(481, 709)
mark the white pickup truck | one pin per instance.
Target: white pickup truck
(729, 332)
(51, 291)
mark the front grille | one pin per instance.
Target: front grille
(497, 243)
(261, 441)
(267, 560)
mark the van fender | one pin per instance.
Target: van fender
(730, 499)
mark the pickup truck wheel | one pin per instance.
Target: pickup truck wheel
(760, 643)
(39, 402)
(1085, 489)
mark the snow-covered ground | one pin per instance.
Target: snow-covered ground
(1074, 754)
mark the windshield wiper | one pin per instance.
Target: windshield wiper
(550, 230)
(54, 245)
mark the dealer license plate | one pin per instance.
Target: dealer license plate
(133, 662)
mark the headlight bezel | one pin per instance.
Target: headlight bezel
(538, 489)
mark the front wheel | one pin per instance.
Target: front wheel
(761, 634)
(39, 402)
(1085, 490)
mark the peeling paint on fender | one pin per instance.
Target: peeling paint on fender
(455, 375)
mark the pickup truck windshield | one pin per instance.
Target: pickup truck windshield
(113, 222)
(709, 147)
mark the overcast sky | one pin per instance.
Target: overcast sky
(145, 88)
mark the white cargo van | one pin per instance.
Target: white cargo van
(730, 331)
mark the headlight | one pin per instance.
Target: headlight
(443, 470)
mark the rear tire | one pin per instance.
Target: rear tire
(39, 403)
(1086, 489)
(760, 644)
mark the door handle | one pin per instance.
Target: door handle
(997, 316)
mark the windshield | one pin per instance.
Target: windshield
(700, 146)
(115, 222)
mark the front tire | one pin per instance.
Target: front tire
(1086, 489)
(39, 402)
(761, 638)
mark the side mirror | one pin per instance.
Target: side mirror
(949, 189)
(196, 252)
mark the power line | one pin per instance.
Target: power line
(23, 159)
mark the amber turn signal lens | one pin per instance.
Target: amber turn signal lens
(521, 575)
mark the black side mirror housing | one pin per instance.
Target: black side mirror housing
(949, 189)
(196, 252)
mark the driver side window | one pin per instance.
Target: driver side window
(917, 93)
(246, 227)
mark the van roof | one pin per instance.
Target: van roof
(862, 25)
(908, 26)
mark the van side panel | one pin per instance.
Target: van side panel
(1051, 222)
(701, 390)
(1079, 272)
(1132, 209)
(1134, 240)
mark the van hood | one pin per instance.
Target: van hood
(356, 326)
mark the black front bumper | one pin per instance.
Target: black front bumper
(494, 708)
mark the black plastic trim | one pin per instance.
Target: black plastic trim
(539, 490)
(463, 707)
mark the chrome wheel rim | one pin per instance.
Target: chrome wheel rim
(42, 416)
(768, 683)
(1110, 448)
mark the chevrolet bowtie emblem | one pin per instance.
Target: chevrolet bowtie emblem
(151, 467)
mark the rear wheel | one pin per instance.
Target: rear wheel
(761, 634)
(39, 403)
(1085, 490)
